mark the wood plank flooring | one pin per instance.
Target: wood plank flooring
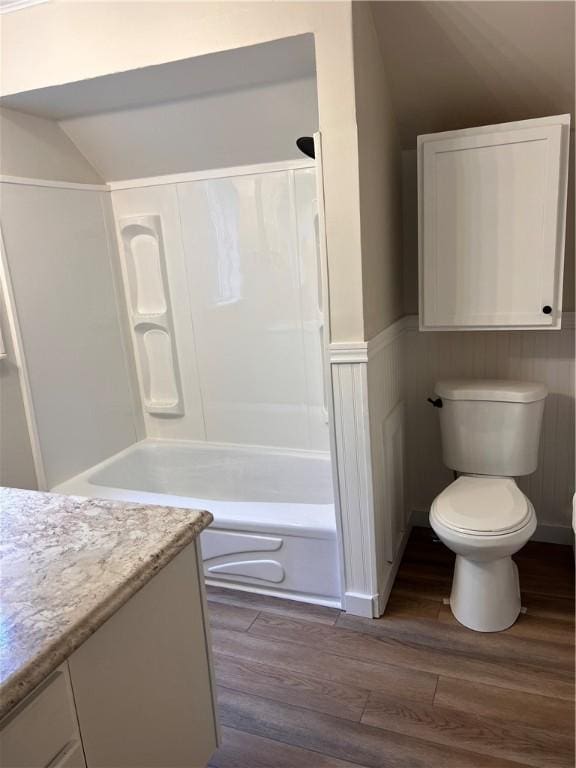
(303, 686)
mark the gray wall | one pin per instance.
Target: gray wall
(241, 127)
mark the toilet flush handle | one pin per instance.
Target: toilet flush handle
(436, 403)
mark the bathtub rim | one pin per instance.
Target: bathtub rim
(316, 520)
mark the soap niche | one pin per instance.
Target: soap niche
(150, 314)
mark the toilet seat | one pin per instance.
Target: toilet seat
(483, 506)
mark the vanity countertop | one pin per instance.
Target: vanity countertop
(67, 563)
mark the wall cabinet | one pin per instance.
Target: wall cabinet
(492, 208)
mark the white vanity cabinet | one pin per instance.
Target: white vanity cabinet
(492, 208)
(138, 693)
(43, 729)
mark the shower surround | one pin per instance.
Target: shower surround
(222, 308)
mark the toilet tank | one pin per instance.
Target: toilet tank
(491, 427)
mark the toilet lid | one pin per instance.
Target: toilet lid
(486, 505)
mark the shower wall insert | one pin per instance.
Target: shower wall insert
(151, 315)
(223, 288)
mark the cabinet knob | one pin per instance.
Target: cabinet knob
(547, 309)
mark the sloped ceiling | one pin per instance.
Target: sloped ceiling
(459, 64)
(291, 58)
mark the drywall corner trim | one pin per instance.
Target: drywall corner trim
(54, 183)
(214, 173)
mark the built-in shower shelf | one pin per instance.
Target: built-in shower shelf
(150, 313)
(157, 321)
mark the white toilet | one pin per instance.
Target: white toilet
(490, 434)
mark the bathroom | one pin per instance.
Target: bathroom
(198, 315)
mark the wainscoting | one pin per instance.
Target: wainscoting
(388, 449)
(367, 381)
(545, 356)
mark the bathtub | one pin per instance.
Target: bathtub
(274, 528)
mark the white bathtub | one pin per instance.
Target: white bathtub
(274, 527)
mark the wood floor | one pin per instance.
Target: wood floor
(305, 686)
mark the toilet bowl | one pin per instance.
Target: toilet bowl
(484, 520)
(490, 434)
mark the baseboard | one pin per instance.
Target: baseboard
(554, 534)
(393, 571)
(359, 604)
(420, 518)
(550, 534)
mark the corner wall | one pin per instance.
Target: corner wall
(35, 148)
(63, 283)
(379, 179)
(368, 377)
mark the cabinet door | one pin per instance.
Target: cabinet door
(142, 683)
(42, 730)
(491, 227)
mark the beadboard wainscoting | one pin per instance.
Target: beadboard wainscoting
(543, 356)
(369, 430)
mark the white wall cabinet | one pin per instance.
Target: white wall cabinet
(492, 208)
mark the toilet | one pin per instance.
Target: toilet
(490, 435)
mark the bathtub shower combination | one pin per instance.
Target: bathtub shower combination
(274, 527)
(221, 281)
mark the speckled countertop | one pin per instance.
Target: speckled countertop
(66, 565)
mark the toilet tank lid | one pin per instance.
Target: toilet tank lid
(497, 390)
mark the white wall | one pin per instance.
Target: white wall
(241, 127)
(241, 262)
(36, 148)
(61, 273)
(379, 178)
(16, 459)
(544, 356)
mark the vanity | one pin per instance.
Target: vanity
(105, 656)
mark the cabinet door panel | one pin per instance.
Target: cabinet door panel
(40, 728)
(490, 242)
(142, 683)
